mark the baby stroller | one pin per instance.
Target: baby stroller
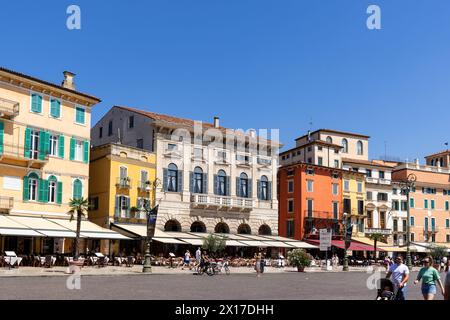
(385, 290)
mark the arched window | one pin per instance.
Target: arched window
(198, 226)
(52, 189)
(265, 230)
(172, 177)
(329, 139)
(221, 183)
(222, 228)
(264, 188)
(344, 146)
(172, 226)
(359, 148)
(31, 187)
(77, 189)
(243, 185)
(198, 180)
(244, 229)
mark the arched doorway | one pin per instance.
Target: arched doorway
(198, 226)
(222, 228)
(244, 229)
(172, 226)
(265, 230)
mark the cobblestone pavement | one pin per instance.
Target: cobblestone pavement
(177, 286)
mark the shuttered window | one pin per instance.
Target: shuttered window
(80, 115)
(77, 189)
(55, 108)
(36, 103)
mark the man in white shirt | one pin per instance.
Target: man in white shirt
(400, 276)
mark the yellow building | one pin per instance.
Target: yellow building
(120, 187)
(44, 161)
(353, 193)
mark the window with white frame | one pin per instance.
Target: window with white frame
(53, 147)
(78, 150)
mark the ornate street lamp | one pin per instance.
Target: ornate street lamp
(347, 221)
(406, 187)
(151, 223)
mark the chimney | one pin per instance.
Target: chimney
(68, 80)
(216, 122)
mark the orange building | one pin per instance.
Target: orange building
(429, 202)
(310, 198)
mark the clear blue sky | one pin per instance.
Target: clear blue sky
(255, 63)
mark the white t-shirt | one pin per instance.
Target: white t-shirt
(398, 271)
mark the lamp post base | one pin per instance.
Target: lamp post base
(148, 260)
(345, 266)
(408, 260)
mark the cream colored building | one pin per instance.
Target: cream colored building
(206, 186)
(44, 159)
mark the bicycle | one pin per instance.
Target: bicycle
(207, 268)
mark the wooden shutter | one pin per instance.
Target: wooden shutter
(61, 147)
(41, 190)
(165, 176)
(86, 151)
(191, 182)
(238, 187)
(117, 207)
(59, 190)
(180, 181)
(36, 103)
(269, 190)
(26, 194)
(228, 185)
(45, 191)
(259, 189)
(205, 183)
(216, 184)
(55, 108)
(250, 188)
(72, 149)
(27, 143)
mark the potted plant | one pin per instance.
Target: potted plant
(299, 258)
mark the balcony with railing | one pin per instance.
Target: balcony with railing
(6, 203)
(144, 186)
(17, 155)
(8, 109)
(206, 201)
(243, 160)
(316, 220)
(430, 230)
(381, 181)
(123, 183)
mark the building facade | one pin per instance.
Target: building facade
(44, 154)
(212, 179)
(429, 202)
(121, 187)
(310, 199)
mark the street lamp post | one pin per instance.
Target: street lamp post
(148, 240)
(406, 187)
(347, 243)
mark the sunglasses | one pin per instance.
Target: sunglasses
(426, 262)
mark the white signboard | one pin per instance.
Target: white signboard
(12, 183)
(325, 240)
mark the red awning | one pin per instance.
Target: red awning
(355, 245)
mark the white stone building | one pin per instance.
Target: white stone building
(208, 183)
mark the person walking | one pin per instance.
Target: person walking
(399, 273)
(187, 260)
(447, 283)
(258, 258)
(429, 277)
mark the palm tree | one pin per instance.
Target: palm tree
(78, 208)
(376, 237)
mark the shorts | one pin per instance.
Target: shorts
(187, 261)
(428, 289)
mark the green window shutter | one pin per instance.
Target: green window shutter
(446, 205)
(61, 147)
(42, 144)
(27, 143)
(59, 193)
(77, 189)
(2, 128)
(45, 191)
(72, 148)
(41, 190)
(80, 115)
(36, 103)
(55, 108)
(26, 194)
(86, 152)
